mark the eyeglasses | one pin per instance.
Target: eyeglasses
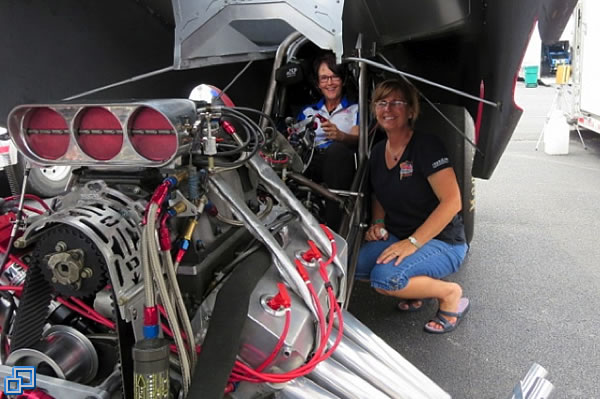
(393, 104)
(333, 78)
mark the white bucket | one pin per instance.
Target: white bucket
(556, 134)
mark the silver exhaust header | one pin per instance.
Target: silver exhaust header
(534, 385)
(336, 378)
(413, 380)
(303, 388)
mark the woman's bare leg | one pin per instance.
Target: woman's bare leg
(447, 293)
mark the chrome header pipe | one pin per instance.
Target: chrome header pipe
(303, 388)
(362, 363)
(534, 385)
(336, 378)
(541, 389)
(362, 336)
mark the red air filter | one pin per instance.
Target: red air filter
(99, 133)
(46, 133)
(152, 135)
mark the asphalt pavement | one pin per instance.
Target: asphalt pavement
(532, 275)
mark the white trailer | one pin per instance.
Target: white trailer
(586, 60)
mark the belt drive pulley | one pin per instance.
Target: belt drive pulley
(71, 262)
(53, 265)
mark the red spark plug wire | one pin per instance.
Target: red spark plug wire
(274, 161)
(167, 331)
(281, 300)
(31, 197)
(94, 317)
(12, 258)
(16, 288)
(35, 394)
(299, 372)
(165, 328)
(32, 209)
(243, 372)
(331, 238)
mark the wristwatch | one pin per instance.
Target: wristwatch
(414, 242)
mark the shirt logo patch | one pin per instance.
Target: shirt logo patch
(406, 169)
(439, 162)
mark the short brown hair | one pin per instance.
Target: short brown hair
(387, 87)
(328, 59)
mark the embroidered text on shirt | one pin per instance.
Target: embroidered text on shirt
(439, 162)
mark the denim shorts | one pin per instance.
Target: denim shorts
(435, 259)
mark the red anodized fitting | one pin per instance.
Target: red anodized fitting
(281, 300)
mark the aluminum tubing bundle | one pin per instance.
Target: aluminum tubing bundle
(303, 388)
(366, 366)
(336, 378)
(534, 385)
(541, 389)
(360, 335)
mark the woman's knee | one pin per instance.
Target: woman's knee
(364, 265)
(388, 278)
(436, 259)
(369, 253)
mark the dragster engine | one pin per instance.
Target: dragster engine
(180, 265)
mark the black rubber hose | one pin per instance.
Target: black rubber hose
(223, 339)
(317, 188)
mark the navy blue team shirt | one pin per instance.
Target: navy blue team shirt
(404, 191)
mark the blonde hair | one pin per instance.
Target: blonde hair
(408, 91)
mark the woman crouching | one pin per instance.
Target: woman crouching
(416, 237)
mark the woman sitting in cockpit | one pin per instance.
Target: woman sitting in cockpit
(336, 134)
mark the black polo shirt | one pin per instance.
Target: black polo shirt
(404, 191)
